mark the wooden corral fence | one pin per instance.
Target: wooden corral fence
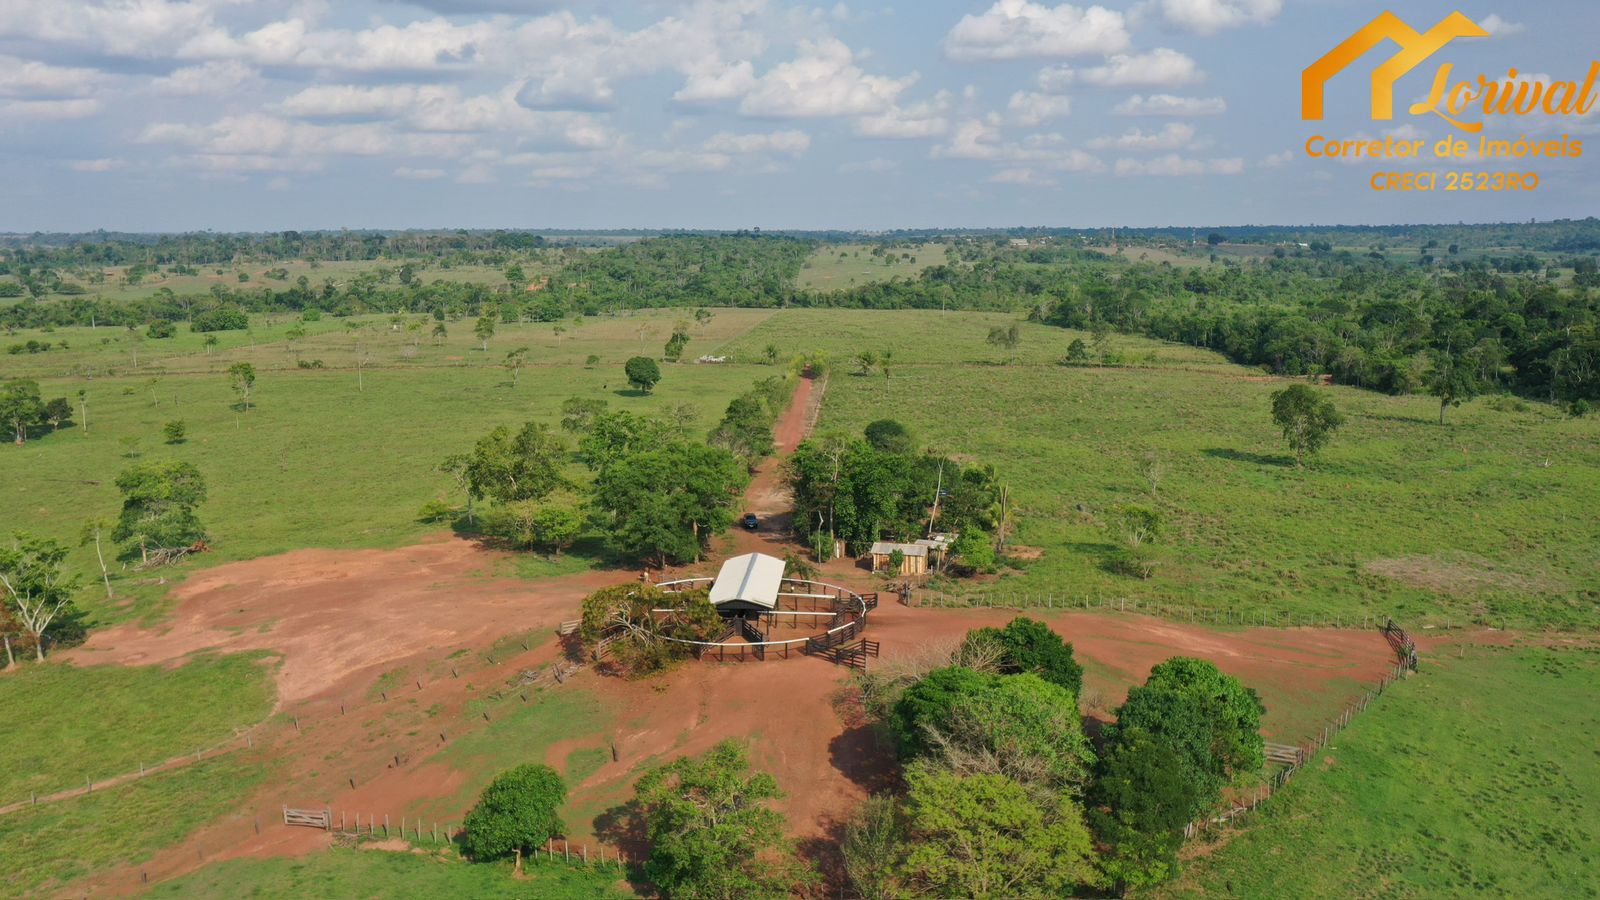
(568, 627)
(847, 618)
(1405, 649)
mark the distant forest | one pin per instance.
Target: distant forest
(1385, 308)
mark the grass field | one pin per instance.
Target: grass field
(66, 723)
(343, 872)
(833, 267)
(56, 844)
(306, 466)
(1487, 518)
(1475, 778)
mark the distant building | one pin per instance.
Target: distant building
(914, 559)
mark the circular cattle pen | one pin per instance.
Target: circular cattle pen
(759, 605)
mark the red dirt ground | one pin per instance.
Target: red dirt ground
(341, 619)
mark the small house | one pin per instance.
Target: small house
(914, 557)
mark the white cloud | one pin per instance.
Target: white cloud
(1278, 160)
(1173, 136)
(418, 174)
(982, 139)
(48, 110)
(823, 80)
(877, 166)
(924, 119)
(1021, 29)
(1211, 16)
(1031, 109)
(1161, 67)
(1174, 165)
(210, 78)
(789, 143)
(721, 83)
(37, 80)
(1169, 105)
(96, 165)
(1022, 176)
(1499, 27)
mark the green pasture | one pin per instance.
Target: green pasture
(49, 847)
(346, 872)
(833, 267)
(1475, 778)
(1488, 518)
(67, 723)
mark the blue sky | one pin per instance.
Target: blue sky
(233, 115)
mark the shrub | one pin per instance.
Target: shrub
(162, 329)
(1028, 645)
(435, 512)
(223, 318)
(890, 436)
(516, 812)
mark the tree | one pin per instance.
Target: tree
(890, 436)
(58, 412)
(514, 362)
(642, 372)
(242, 376)
(983, 836)
(90, 534)
(36, 591)
(1138, 805)
(458, 466)
(526, 465)
(1029, 645)
(612, 435)
(874, 841)
(440, 332)
(711, 834)
(21, 407)
(515, 814)
(1077, 353)
(668, 502)
(675, 344)
(974, 549)
(1454, 379)
(175, 431)
(929, 702)
(579, 413)
(639, 618)
(210, 342)
(1211, 720)
(484, 330)
(1005, 336)
(1019, 726)
(158, 504)
(553, 526)
(1308, 420)
(745, 430)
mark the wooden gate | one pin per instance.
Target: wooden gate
(311, 818)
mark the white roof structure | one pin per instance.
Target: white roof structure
(753, 578)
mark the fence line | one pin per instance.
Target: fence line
(1178, 612)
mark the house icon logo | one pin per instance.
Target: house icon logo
(1415, 47)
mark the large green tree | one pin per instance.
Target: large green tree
(1307, 419)
(515, 814)
(158, 506)
(525, 465)
(711, 834)
(21, 407)
(642, 372)
(1140, 801)
(1210, 719)
(983, 836)
(745, 430)
(35, 588)
(1029, 645)
(1454, 378)
(668, 502)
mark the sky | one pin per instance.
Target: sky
(233, 115)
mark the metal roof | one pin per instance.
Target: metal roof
(884, 548)
(752, 578)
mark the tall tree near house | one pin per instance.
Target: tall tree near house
(158, 506)
(21, 407)
(242, 376)
(91, 533)
(514, 362)
(35, 588)
(484, 330)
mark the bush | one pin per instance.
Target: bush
(435, 512)
(1028, 645)
(930, 701)
(162, 330)
(1134, 562)
(309, 364)
(975, 550)
(223, 318)
(890, 436)
(517, 811)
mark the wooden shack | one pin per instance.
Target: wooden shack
(914, 558)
